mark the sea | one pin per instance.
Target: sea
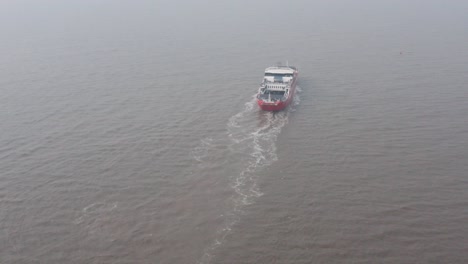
(129, 132)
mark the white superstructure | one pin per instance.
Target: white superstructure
(279, 74)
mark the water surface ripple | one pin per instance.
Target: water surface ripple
(129, 133)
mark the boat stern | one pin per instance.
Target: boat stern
(271, 106)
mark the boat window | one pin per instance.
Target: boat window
(276, 75)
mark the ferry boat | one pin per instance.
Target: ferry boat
(277, 88)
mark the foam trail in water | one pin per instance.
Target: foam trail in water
(200, 152)
(252, 136)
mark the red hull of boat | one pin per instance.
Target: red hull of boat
(276, 106)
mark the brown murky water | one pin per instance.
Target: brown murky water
(129, 132)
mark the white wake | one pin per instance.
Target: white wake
(251, 138)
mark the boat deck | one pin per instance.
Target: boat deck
(273, 97)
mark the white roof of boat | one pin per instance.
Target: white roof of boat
(279, 70)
